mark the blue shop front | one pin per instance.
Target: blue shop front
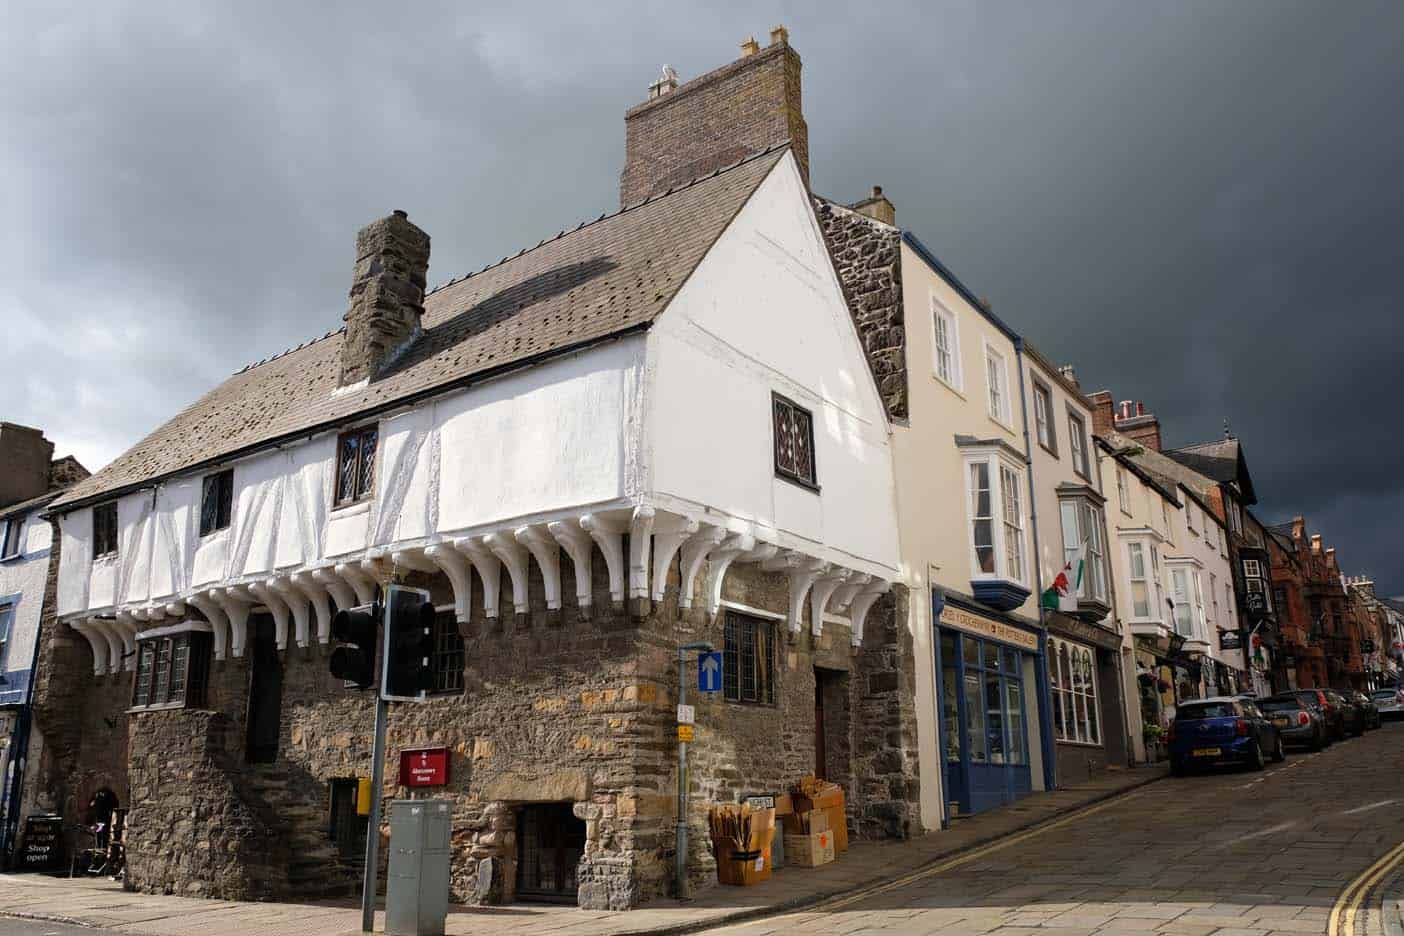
(992, 683)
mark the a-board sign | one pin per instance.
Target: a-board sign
(424, 767)
(43, 844)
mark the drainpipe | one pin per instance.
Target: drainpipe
(1045, 692)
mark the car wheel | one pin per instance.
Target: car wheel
(1177, 768)
(1279, 753)
(1319, 741)
(1256, 761)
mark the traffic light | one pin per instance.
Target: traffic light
(409, 643)
(354, 630)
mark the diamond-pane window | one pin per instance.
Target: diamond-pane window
(355, 465)
(794, 442)
(748, 665)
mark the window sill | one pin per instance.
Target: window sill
(1049, 449)
(1007, 427)
(11, 558)
(1083, 744)
(797, 482)
(205, 537)
(162, 707)
(351, 508)
(108, 557)
(948, 385)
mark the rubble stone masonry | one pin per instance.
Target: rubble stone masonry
(557, 708)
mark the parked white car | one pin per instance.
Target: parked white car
(1390, 702)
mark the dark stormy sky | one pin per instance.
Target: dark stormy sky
(1197, 203)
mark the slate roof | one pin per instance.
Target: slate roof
(28, 506)
(606, 278)
(1220, 460)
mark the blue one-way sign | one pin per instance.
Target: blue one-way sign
(709, 672)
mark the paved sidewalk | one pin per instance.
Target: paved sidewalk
(104, 903)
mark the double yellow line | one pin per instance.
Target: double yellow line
(955, 862)
(1352, 899)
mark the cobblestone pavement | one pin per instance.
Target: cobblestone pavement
(1231, 854)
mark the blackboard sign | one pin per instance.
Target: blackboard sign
(43, 844)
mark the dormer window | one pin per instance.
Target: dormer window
(794, 442)
(355, 465)
(105, 530)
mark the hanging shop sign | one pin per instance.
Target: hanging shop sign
(1230, 640)
(980, 626)
(424, 767)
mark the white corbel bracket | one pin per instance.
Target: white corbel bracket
(819, 594)
(609, 535)
(670, 532)
(96, 641)
(237, 610)
(276, 607)
(547, 553)
(298, 604)
(718, 561)
(581, 549)
(126, 628)
(862, 603)
(454, 566)
(489, 569)
(316, 593)
(219, 622)
(694, 554)
(363, 585)
(341, 591)
(640, 535)
(802, 570)
(514, 556)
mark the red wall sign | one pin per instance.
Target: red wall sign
(424, 767)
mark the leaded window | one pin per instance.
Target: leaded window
(748, 664)
(11, 543)
(794, 442)
(355, 464)
(105, 530)
(216, 501)
(447, 662)
(172, 670)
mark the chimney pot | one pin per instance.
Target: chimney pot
(1140, 408)
(1070, 374)
(877, 191)
(750, 46)
(779, 35)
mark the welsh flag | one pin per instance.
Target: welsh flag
(1062, 594)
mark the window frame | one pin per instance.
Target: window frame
(449, 658)
(940, 312)
(777, 402)
(1077, 444)
(12, 538)
(736, 628)
(997, 396)
(102, 529)
(1135, 550)
(1043, 394)
(9, 607)
(995, 464)
(1085, 511)
(1066, 691)
(194, 670)
(222, 483)
(362, 488)
(1123, 490)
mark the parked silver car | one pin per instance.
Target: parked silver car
(1390, 702)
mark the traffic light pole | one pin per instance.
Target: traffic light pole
(370, 878)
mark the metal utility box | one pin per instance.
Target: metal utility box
(416, 892)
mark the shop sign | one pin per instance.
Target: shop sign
(1230, 640)
(424, 767)
(975, 624)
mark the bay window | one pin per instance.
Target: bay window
(999, 566)
(1140, 585)
(1084, 535)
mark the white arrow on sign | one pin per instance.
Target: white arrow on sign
(709, 670)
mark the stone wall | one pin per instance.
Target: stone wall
(557, 707)
(713, 121)
(868, 257)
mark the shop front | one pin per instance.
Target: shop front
(990, 677)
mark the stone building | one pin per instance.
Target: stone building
(30, 478)
(656, 428)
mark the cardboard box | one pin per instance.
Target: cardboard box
(803, 823)
(809, 851)
(742, 869)
(784, 805)
(837, 823)
(830, 795)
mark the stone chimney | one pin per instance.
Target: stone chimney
(1069, 373)
(1316, 543)
(877, 206)
(24, 463)
(1298, 527)
(1132, 421)
(729, 113)
(387, 295)
(1331, 558)
(1103, 412)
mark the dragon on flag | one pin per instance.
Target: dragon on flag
(1062, 594)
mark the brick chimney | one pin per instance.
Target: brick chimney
(689, 130)
(1132, 421)
(877, 206)
(1316, 543)
(387, 295)
(24, 463)
(1103, 412)
(1298, 527)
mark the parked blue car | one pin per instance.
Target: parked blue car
(1210, 732)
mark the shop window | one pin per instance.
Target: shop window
(216, 501)
(105, 530)
(447, 661)
(10, 543)
(748, 664)
(355, 464)
(794, 442)
(1072, 671)
(172, 671)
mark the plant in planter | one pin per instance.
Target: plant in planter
(1153, 735)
